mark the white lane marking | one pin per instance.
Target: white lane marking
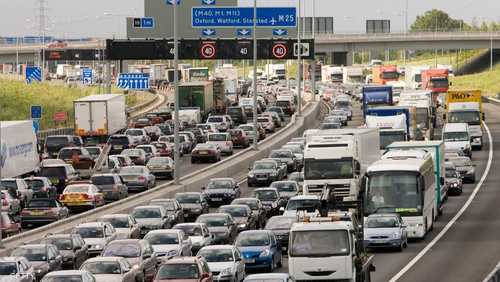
(455, 218)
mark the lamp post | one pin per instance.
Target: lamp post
(255, 139)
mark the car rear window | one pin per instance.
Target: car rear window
(234, 110)
(123, 140)
(59, 171)
(42, 204)
(56, 141)
(68, 153)
(215, 119)
(103, 180)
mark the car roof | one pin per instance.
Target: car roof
(266, 189)
(217, 179)
(219, 247)
(91, 224)
(181, 260)
(246, 199)
(148, 207)
(375, 215)
(214, 214)
(65, 272)
(262, 276)
(103, 259)
(163, 231)
(115, 215)
(305, 197)
(188, 193)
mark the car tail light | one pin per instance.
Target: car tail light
(62, 197)
(5, 202)
(142, 178)
(87, 197)
(25, 212)
(115, 188)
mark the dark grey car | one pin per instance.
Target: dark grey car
(174, 209)
(71, 246)
(111, 185)
(242, 215)
(286, 156)
(44, 257)
(263, 173)
(221, 225)
(221, 191)
(258, 211)
(193, 204)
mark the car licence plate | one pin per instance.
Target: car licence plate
(118, 147)
(203, 153)
(37, 213)
(217, 199)
(249, 260)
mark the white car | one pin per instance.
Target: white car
(222, 123)
(310, 204)
(138, 135)
(266, 122)
(224, 261)
(222, 140)
(169, 243)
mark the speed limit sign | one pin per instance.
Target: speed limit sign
(280, 51)
(208, 51)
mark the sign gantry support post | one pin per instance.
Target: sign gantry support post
(256, 136)
(299, 65)
(176, 94)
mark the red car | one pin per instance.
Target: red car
(164, 149)
(155, 119)
(185, 269)
(239, 138)
(9, 227)
(142, 122)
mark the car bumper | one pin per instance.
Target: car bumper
(203, 157)
(265, 181)
(220, 200)
(136, 185)
(75, 205)
(161, 172)
(37, 219)
(111, 196)
(389, 243)
(257, 263)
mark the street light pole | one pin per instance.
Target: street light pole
(255, 139)
(176, 95)
(299, 66)
(313, 67)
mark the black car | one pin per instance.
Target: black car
(257, 209)
(237, 114)
(71, 246)
(271, 200)
(221, 191)
(193, 204)
(263, 173)
(54, 143)
(119, 142)
(280, 225)
(198, 133)
(286, 156)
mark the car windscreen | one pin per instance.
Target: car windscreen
(220, 184)
(382, 222)
(35, 184)
(146, 213)
(102, 267)
(217, 255)
(188, 198)
(178, 271)
(217, 137)
(215, 119)
(264, 165)
(31, 254)
(56, 141)
(125, 250)
(213, 221)
(252, 239)
(280, 222)
(63, 244)
(8, 268)
(285, 186)
(118, 140)
(319, 243)
(266, 195)
(162, 238)
(309, 205)
(116, 222)
(34, 204)
(190, 230)
(235, 211)
(90, 232)
(63, 278)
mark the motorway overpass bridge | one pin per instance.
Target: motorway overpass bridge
(334, 48)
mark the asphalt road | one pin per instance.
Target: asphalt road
(470, 248)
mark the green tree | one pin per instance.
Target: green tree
(437, 20)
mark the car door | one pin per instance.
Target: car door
(149, 261)
(135, 231)
(275, 249)
(208, 238)
(240, 265)
(54, 258)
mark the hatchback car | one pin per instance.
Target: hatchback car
(82, 196)
(198, 233)
(206, 152)
(277, 110)
(385, 231)
(242, 215)
(193, 204)
(125, 225)
(42, 211)
(164, 149)
(259, 249)
(139, 253)
(161, 167)
(221, 226)
(267, 123)
(466, 168)
(16, 269)
(150, 151)
(186, 269)
(271, 200)
(237, 114)
(55, 143)
(71, 246)
(285, 156)
(222, 123)
(151, 218)
(453, 179)
(96, 235)
(168, 243)
(108, 269)
(239, 137)
(111, 186)
(222, 140)
(224, 261)
(120, 142)
(45, 258)
(257, 209)
(41, 187)
(79, 158)
(221, 191)
(138, 156)
(137, 178)
(174, 209)
(286, 188)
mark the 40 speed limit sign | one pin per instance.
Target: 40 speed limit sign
(208, 51)
(280, 51)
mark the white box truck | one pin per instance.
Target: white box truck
(18, 148)
(338, 158)
(353, 75)
(100, 116)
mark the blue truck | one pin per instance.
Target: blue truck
(376, 96)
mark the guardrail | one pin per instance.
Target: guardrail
(230, 167)
(494, 275)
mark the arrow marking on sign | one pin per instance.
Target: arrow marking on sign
(209, 32)
(208, 2)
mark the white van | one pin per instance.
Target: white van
(456, 137)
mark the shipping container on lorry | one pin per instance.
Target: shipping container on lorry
(383, 74)
(353, 75)
(18, 148)
(376, 96)
(100, 115)
(436, 149)
(197, 94)
(338, 158)
(466, 106)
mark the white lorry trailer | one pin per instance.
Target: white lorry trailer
(18, 148)
(99, 116)
(392, 128)
(353, 75)
(337, 158)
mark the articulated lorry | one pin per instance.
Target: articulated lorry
(332, 74)
(18, 148)
(383, 74)
(391, 129)
(413, 77)
(337, 158)
(436, 149)
(99, 116)
(376, 96)
(465, 106)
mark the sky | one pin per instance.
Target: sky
(105, 18)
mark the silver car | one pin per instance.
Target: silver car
(151, 218)
(385, 231)
(198, 233)
(137, 178)
(161, 166)
(286, 188)
(169, 243)
(69, 275)
(16, 269)
(112, 269)
(125, 225)
(225, 262)
(96, 235)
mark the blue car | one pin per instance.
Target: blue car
(259, 249)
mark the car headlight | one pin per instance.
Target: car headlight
(171, 217)
(38, 271)
(172, 253)
(265, 253)
(251, 175)
(274, 173)
(395, 235)
(477, 139)
(274, 205)
(226, 272)
(196, 210)
(243, 225)
(454, 184)
(136, 266)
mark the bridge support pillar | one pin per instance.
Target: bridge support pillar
(342, 58)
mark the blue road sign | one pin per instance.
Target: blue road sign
(280, 32)
(171, 2)
(87, 76)
(202, 17)
(133, 81)
(33, 74)
(36, 112)
(36, 125)
(208, 32)
(243, 32)
(147, 23)
(208, 2)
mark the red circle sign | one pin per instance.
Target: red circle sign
(280, 51)
(208, 51)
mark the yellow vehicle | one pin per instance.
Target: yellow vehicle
(82, 196)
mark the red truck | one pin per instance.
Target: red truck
(435, 80)
(383, 74)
